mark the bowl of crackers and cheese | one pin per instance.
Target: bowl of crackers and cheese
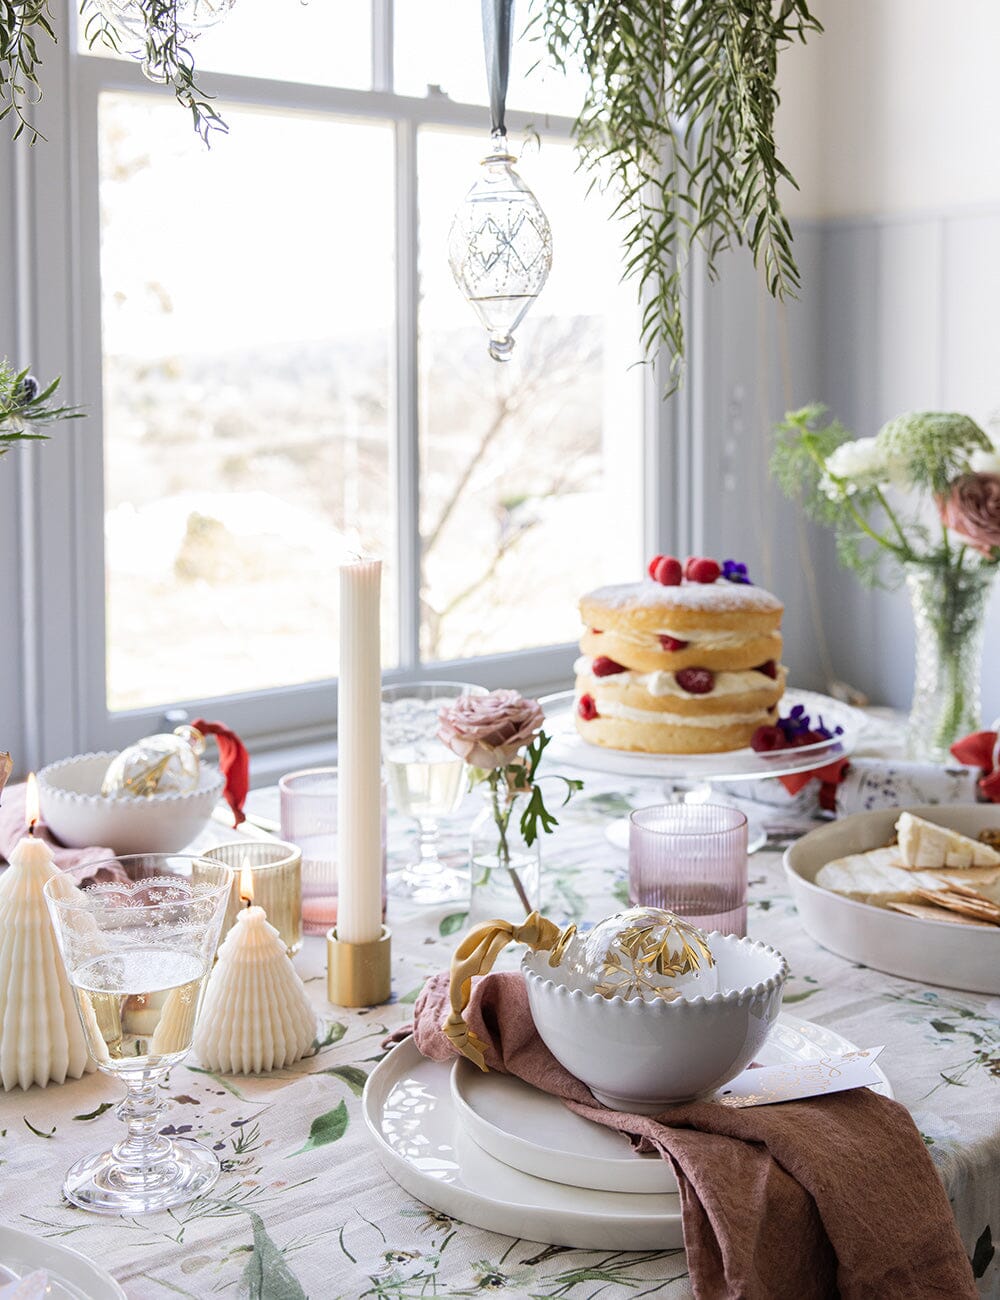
(913, 892)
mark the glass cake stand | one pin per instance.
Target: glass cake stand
(690, 777)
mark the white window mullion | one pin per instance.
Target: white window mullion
(407, 446)
(382, 45)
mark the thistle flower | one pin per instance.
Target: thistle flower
(931, 448)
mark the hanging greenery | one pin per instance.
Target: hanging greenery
(679, 120)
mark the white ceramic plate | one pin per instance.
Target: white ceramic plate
(423, 1144)
(738, 764)
(932, 952)
(71, 1275)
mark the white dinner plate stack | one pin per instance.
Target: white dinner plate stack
(492, 1151)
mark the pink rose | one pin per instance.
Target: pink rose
(972, 510)
(488, 731)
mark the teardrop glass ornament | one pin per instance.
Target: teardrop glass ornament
(500, 248)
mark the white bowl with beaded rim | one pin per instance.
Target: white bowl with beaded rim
(78, 815)
(642, 1056)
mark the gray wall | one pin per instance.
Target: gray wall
(895, 314)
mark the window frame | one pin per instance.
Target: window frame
(55, 229)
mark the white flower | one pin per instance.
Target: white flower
(985, 462)
(859, 463)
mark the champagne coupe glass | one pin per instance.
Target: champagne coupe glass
(138, 947)
(426, 781)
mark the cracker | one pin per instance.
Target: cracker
(979, 909)
(924, 912)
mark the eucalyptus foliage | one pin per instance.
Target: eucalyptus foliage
(679, 118)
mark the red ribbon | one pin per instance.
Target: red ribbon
(979, 750)
(830, 775)
(234, 762)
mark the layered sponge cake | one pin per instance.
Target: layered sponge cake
(690, 665)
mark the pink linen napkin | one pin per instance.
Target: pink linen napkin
(13, 825)
(816, 1198)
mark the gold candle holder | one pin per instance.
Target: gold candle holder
(359, 974)
(277, 884)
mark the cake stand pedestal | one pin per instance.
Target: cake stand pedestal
(691, 778)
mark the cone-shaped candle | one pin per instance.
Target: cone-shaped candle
(41, 1039)
(256, 1015)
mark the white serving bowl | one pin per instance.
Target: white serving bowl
(641, 1056)
(76, 812)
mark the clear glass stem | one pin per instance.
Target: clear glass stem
(143, 1147)
(430, 845)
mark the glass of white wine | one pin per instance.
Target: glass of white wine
(426, 782)
(138, 939)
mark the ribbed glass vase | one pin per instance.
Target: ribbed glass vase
(949, 610)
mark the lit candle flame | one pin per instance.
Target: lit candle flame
(31, 803)
(246, 882)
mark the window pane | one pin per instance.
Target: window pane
(440, 42)
(321, 42)
(530, 469)
(247, 313)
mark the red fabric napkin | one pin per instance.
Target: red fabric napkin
(13, 825)
(977, 750)
(802, 1200)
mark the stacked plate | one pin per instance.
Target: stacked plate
(492, 1151)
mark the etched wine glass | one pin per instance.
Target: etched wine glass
(138, 938)
(426, 782)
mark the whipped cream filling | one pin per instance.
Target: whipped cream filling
(661, 684)
(705, 639)
(612, 709)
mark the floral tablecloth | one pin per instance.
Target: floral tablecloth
(304, 1208)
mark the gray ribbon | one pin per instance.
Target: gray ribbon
(498, 22)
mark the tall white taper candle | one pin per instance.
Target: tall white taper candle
(359, 903)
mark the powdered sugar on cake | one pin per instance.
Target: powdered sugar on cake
(720, 595)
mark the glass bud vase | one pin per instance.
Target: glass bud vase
(949, 608)
(506, 872)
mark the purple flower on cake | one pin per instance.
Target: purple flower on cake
(733, 571)
(488, 731)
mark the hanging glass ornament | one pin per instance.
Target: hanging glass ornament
(161, 764)
(500, 248)
(128, 18)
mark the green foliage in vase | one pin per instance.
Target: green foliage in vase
(679, 119)
(25, 407)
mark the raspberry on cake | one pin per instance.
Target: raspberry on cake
(681, 667)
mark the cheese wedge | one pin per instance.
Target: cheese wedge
(874, 877)
(923, 844)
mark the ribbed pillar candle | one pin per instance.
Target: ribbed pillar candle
(359, 906)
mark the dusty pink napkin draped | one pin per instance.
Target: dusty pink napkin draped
(13, 825)
(805, 1199)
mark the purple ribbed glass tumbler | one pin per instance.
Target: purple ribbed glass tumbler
(691, 859)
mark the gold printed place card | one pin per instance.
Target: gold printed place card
(768, 1084)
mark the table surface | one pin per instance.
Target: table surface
(303, 1207)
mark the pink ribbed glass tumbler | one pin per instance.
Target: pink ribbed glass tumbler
(692, 860)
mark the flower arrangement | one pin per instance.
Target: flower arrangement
(500, 737)
(920, 500)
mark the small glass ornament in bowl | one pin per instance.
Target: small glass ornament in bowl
(500, 248)
(138, 950)
(645, 1009)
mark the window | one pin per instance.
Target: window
(277, 364)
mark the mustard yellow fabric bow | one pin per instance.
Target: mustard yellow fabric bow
(475, 955)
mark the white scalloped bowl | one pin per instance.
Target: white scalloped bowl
(78, 815)
(641, 1056)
